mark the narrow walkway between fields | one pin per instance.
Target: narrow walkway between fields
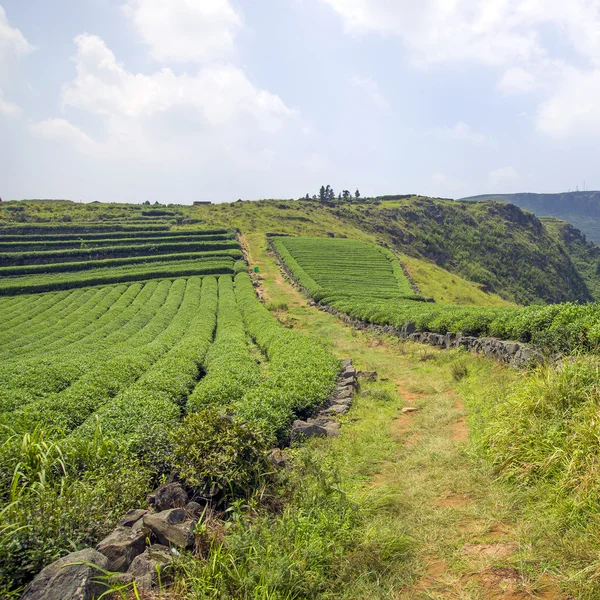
(408, 438)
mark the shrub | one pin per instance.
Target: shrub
(219, 455)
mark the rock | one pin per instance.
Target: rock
(305, 429)
(146, 567)
(277, 459)
(408, 329)
(344, 392)
(171, 527)
(344, 401)
(132, 516)
(347, 382)
(121, 546)
(409, 409)
(368, 375)
(194, 510)
(347, 362)
(336, 409)
(139, 526)
(72, 577)
(168, 495)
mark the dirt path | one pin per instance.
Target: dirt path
(468, 538)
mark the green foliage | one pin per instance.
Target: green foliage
(60, 496)
(219, 455)
(131, 272)
(544, 436)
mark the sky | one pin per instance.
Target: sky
(182, 100)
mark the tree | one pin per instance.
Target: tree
(346, 194)
(340, 196)
(323, 193)
(331, 195)
(357, 194)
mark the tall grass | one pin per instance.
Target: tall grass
(546, 434)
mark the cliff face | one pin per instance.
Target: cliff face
(498, 245)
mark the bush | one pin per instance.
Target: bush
(219, 455)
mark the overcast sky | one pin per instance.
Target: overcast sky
(181, 100)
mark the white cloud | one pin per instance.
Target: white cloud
(60, 129)
(185, 30)
(164, 115)
(438, 31)
(13, 45)
(9, 109)
(572, 109)
(517, 80)
(372, 89)
(511, 36)
(503, 176)
(462, 132)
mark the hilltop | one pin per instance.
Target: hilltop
(497, 247)
(581, 209)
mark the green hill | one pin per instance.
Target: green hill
(498, 247)
(581, 209)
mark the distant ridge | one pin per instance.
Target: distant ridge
(581, 209)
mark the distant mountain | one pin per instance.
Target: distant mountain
(581, 209)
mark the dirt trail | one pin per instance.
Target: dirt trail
(468, 543)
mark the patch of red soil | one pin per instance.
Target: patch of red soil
(454, 501)
(495, 551)
(459, 432)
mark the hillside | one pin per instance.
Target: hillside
(498, 247)
(581, 209)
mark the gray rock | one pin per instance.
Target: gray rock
(132, 516)
(336, 409)
(367, 375)
(121, 546)
(347, 362)
(171, 527)
(305, 429)
(345, 392)
(194, 510)
(277, 459)
(146, 567)
(69, 579)
(168, 495)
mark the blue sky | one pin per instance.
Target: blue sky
(182, 100)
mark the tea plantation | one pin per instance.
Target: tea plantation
(95, 380)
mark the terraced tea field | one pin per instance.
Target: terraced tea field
(97, 378)
(354, 278)
(37, 262)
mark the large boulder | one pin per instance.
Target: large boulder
(169, 495)
(73, 577)
(121, 547)
(172, 527)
